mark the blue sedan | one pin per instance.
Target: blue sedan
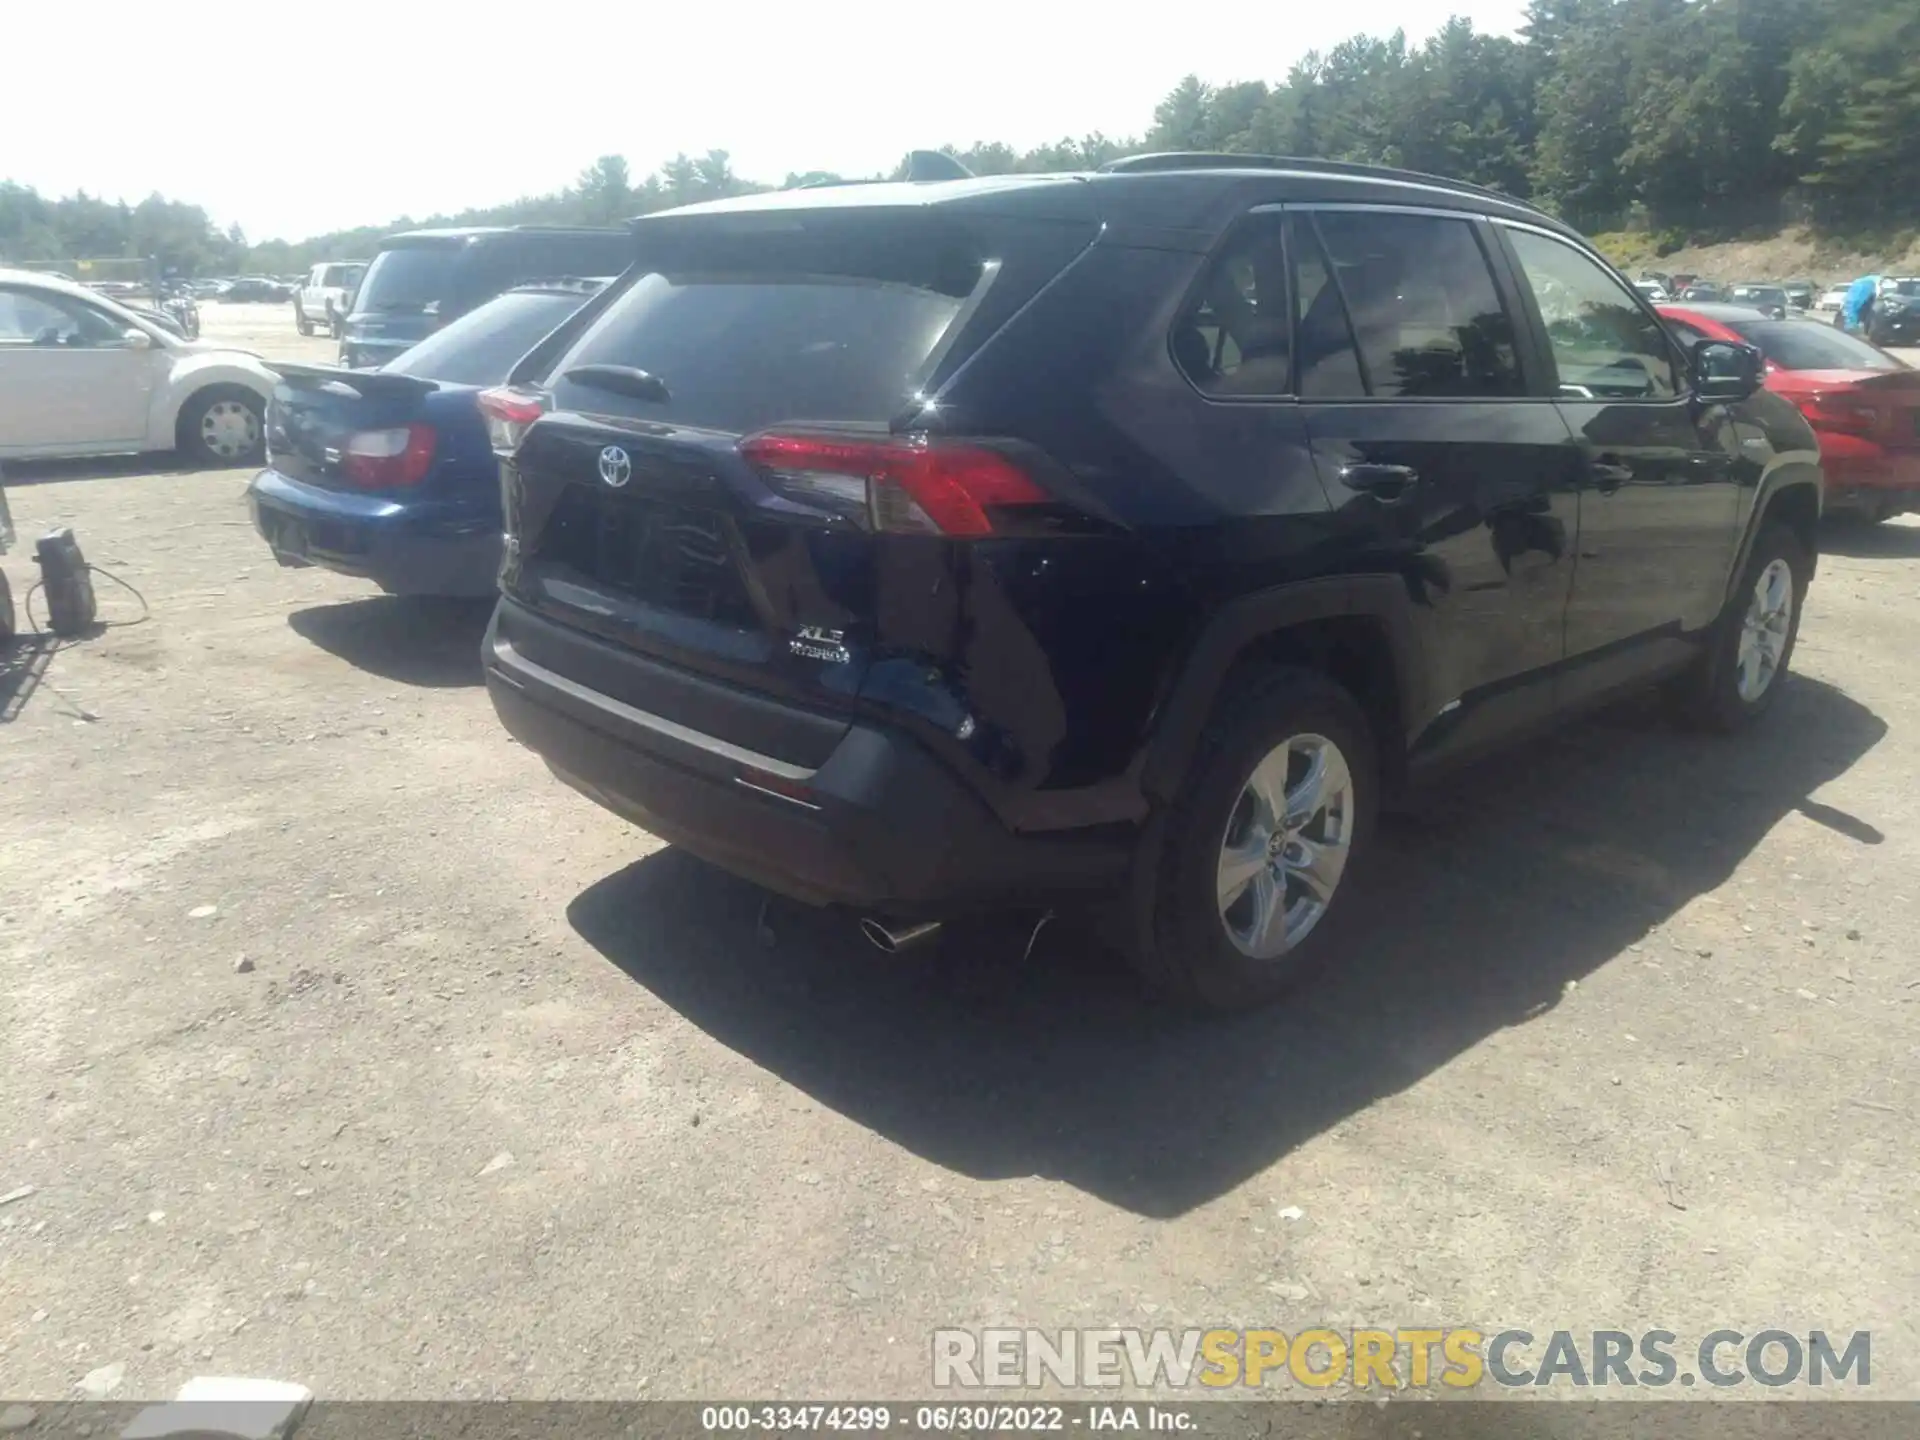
(388, 474)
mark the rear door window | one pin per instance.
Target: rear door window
(1421, 300)
(480, 347)
(1234, 338)
(748, 334)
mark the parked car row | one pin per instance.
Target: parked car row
(932, 547)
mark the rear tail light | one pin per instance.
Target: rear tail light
(510, 414)
(1839, 412)
(915, 485)
(384, 459)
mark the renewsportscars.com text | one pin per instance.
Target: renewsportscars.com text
(1457, 1359)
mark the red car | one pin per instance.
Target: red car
(1862, 402)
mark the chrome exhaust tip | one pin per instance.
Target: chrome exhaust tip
(893, 940)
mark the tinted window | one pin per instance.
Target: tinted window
(480, 347)
(1234, 338)
(1329, 365)
(739, 351)
(1803, 345)
(1423, 306)
(408, 277)
(1605, 344)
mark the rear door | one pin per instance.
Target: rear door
(1660, 475)
(1442, 458)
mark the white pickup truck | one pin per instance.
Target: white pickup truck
(327, 296)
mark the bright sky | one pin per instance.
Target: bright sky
(294, 119)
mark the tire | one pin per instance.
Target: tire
(1731, 686)
(300, 321)
(211, 432)
(1209, 955)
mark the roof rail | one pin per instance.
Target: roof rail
(1226, 160)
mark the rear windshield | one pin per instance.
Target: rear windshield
(1805, 345)
(742, 350)
(345, 276)
(408, 277)
(480, 347)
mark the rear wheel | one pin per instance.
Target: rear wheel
(222, 426)
(1738, 678)
(1275, 811)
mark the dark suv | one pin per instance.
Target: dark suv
(421, 280)
(929, 548)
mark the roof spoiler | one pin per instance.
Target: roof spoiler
(935, 165)
(370, 383)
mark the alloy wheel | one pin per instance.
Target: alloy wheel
(1763, 631)
(1286, 846)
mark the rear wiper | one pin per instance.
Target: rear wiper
(621, 380)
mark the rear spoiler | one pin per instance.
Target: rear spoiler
(370, 383)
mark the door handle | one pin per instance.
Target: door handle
(1386, 483)
(1610, 473)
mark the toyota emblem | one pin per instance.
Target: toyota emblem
(616, 468)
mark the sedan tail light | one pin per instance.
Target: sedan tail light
(510, 414)
(916, 485)
(386, 459)
(1839, 412)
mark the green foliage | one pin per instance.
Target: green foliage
(1678, 118)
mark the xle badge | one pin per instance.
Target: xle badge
(817, 642)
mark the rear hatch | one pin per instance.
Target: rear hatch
(403, 292)
(741, 457)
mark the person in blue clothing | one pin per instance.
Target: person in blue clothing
(1856, 314)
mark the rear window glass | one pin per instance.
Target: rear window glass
(346, 276)
(1804, 345)
(480, 347)
(408, 277)
(739, 351)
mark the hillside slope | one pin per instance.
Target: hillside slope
(1794, 254)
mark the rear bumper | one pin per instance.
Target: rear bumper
(402, 551)
(1863, 475)
(878, 825)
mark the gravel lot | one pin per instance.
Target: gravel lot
(342, 1044)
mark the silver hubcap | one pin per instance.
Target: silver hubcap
(1763, 631)
(1286, 844)
(229, 429)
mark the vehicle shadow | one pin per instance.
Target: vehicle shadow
(415, 639)
(1487, 900)
(24, 661)
(92, 467)
(1860, 541)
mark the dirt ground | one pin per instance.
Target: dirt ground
(342, 1044)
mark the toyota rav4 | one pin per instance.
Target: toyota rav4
(936, 547)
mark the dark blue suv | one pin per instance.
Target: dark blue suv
(424, 279)
(934, 547)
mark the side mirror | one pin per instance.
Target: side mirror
(137, 339)
(1725, 373)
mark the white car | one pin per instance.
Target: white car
(326, 295)
(1832, 300)
(1655, 292)
(82, 375)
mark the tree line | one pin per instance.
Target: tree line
(1695, 119)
